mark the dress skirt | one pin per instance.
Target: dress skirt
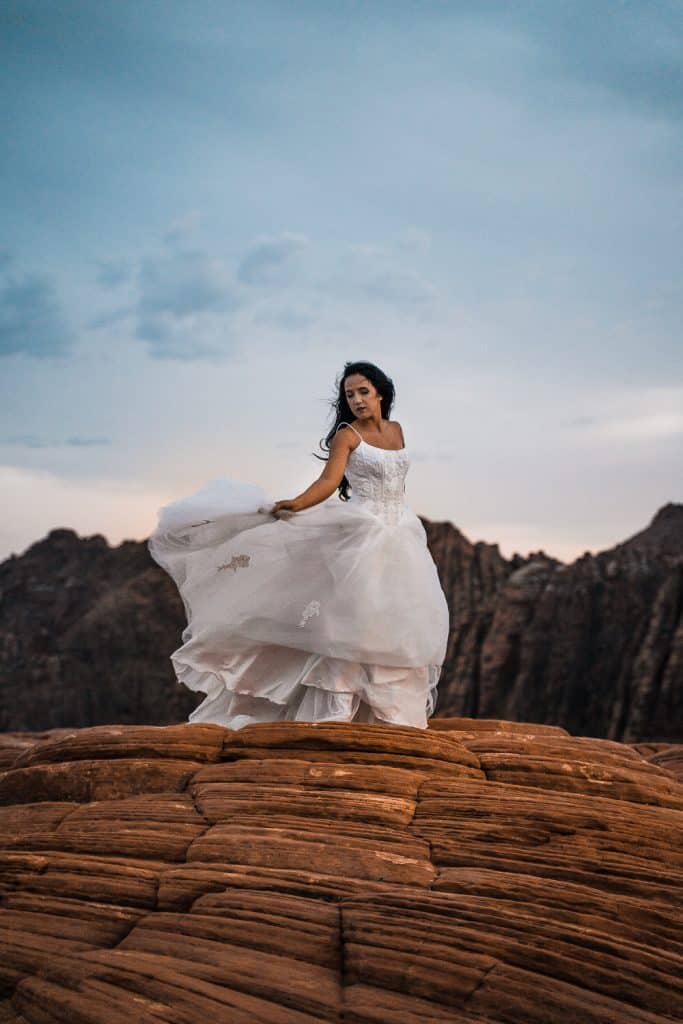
(329, 614)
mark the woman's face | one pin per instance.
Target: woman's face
(363, 397)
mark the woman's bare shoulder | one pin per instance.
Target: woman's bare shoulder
(344, 439)
(395, 423)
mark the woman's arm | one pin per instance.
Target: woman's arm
(328, 481)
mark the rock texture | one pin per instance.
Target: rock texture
(75, 615)
(291, 873)
(596, 646)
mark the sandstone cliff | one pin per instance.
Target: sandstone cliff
(477, 871)
(86, 631)
(596, 646)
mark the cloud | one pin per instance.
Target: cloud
(270, 260)
(32, 321)
(113, 317)
(399, 288)
(632, 52)
(384, 275)
(189, 337)
(183, 282)
(187, 300)
(33, 441)
(184, 306)
(112, 273)
(187, 304)
(86, 442)
(181, 300)
(414, 240)
(182, 228)
(26, 441)
(627, 52)
(647, 414)
(288, 318)
(643, 428)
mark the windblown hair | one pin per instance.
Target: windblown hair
(342, 411)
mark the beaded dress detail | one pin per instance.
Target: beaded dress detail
(335, 613)
(377, 477)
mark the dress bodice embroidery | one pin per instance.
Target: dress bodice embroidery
(377, 478)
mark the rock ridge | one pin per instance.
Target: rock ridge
(86, 632)
(476, 871)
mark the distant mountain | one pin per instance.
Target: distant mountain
(595, 646)
(86, 631)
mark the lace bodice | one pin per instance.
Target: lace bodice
(377, 478)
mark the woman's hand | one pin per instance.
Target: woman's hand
(288, 507)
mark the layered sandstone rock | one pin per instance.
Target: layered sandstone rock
(596, 646)
(477, 871)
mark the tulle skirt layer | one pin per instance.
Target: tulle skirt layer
(329, 615)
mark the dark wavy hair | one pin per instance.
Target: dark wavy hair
(342, 411)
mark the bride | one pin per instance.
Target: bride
(312, 608)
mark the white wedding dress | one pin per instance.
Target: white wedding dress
(335, 613)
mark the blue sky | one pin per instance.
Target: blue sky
(208, 208)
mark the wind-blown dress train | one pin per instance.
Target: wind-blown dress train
(335, 613)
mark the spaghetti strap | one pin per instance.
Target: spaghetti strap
(345, 424)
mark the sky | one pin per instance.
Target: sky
(209, 208)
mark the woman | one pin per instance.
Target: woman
(312, 608)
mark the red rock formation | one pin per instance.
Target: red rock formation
(596, 646)
(477, 871)
(76, 614)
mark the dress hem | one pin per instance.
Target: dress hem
(228, 705)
